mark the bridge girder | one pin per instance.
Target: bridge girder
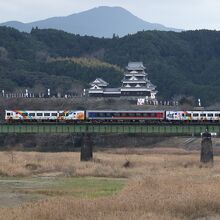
(160, 130)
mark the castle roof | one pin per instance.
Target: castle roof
(99, 82)
(134, 66)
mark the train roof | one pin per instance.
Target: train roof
(125, 111)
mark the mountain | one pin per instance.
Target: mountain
(99, 22)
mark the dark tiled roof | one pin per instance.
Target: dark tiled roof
(99, 81)
(112, 89)
(135, 66)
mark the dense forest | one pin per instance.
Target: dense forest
(186, 63)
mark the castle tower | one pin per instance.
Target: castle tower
(136, 83)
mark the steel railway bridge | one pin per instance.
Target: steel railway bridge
(88, 129)
(151, 130)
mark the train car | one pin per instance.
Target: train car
(124, 116)
(43, 116)
(193, 116)
(178, 115)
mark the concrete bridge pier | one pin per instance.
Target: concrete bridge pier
(86, 148)
(206, 148)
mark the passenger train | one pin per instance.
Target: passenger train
(111, 116)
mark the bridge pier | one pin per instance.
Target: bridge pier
(206, 148)
(86, 148)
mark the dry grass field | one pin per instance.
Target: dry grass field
(160, 184)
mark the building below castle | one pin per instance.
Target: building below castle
(134, 84)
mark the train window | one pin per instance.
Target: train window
(124, 114)
(53, 114)
(61, 114)
(195, 115)
(217, 115)
(152, 114)
(108, 114)
(183, 115)
(39, 114)
(32, 114)
(8, 114)
(131, 114)
(101, 114)
(67, 114)
(202, 115)
(47, 114)
(117, 114)
(138, 114)
(210, 115)
(24, 114)
(145, 115)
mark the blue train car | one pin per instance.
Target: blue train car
(108, 115)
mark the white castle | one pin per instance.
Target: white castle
(134, 84)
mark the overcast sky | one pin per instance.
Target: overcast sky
(186, 14)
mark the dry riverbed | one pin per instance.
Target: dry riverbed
(155, 184)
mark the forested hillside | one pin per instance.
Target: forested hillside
(186, 63)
